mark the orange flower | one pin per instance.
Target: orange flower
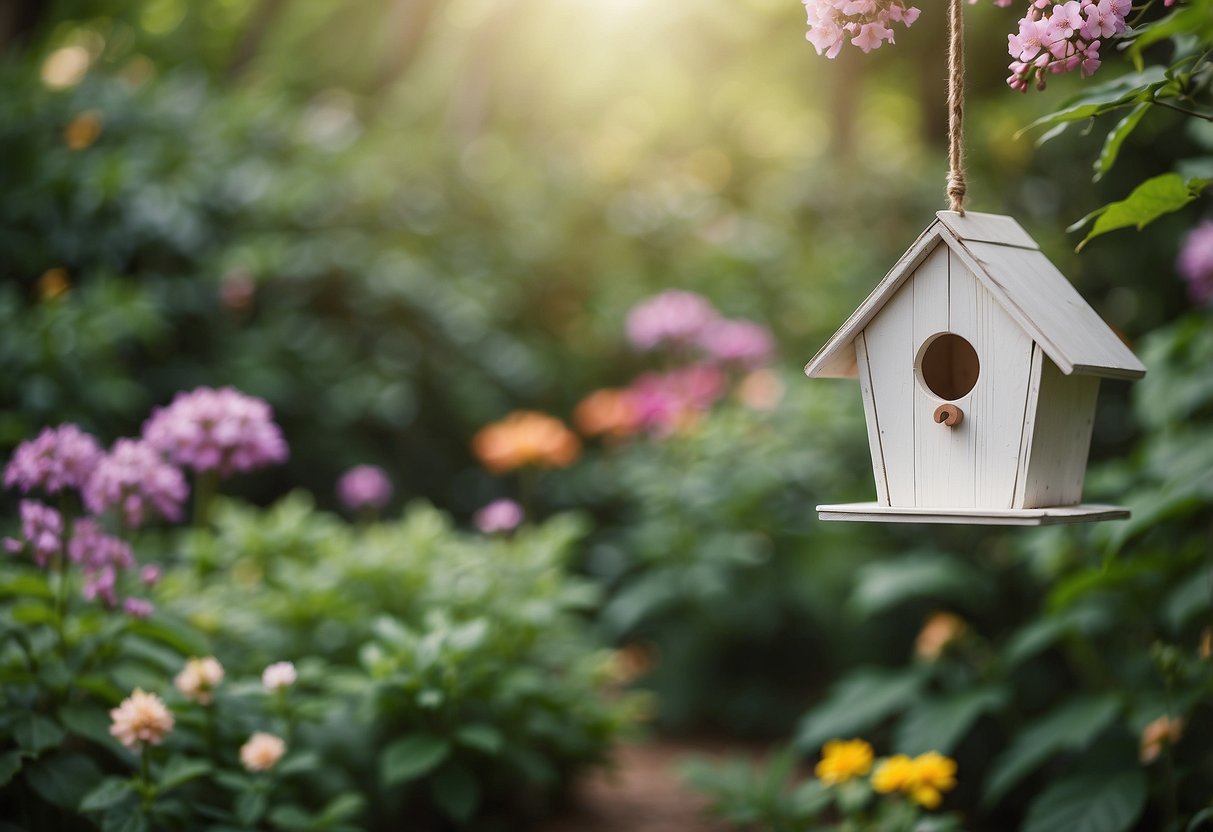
(54, 283)
(83, 130)
(941, 629)
(1159, 734)
(523, 438)
(609, 413)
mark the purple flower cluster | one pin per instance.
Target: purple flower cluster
(1195, 263)
(216, 430)
(133, 478)
(41, 532)
(57, 459)
(499, 516)
(364, 487)
(101, 557)
(671, 318)
(739, 343)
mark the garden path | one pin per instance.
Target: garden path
(644, 791)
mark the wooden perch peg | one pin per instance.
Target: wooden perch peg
(949, 414)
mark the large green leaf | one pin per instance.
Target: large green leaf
(889, 583)
(456, 792)
(940, 724)
(857, 703)
(1070, 727)
(1150, 200)
(180, 770)
(1089, 803)
(63, 779)
(1103, 98)
(109, 792)
(36, 734)
(1116, 139)
(10, 764)
(412, 757)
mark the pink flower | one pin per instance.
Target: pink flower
(58, 458)
(278, 676)
(150, 575)
(41, 530)
(866, 21)
(262, 752)
(1027, 44)
(1195, 263)
(739, 342)
(364, 487)
(138, 607)
(92, 549)
(666, 403)
(871, 35)
(141, 719)
(133, 478)
(499, 516)
(672, 317)
(216, 430)
(199, 678)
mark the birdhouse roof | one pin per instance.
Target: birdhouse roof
(1010, 265)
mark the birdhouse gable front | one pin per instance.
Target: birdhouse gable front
(1029, 288)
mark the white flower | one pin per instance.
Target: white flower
(279, 675)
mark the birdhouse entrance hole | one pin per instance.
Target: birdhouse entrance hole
(948, 366)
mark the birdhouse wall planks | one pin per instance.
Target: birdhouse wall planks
(979, 365)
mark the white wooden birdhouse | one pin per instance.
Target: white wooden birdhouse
(979, 365)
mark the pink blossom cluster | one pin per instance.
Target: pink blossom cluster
(498, 517)
(57, 459)
(364, 487)
(666, 402)
(868, 23)
(216, 430)
(133, 478)
(1195, 263)
(1062, 37)
(688, 321)
(41, 532)
(101, 557)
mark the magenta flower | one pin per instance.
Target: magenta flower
(216, 430)
(1195, 263)
(101, 585)
(94, 550)
(41, 530)
(58, 458)
(133, 478)
(673, 317)
(364, 487)
(743, 343)
(499, 516)
(670, 401)
(150, 575)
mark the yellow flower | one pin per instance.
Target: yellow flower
(842, 760)
(924, 778)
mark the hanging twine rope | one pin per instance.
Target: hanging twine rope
(956, 107)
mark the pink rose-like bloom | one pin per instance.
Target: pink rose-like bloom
(743, 343)
(42, 530)
(673, 317)
(216, 430)
(1195, 263)
(199, 678)
(363, 487)
(142, 719)
(499, 516)
(133, 478)
(279, 675)
(262, 752)
(56, 459)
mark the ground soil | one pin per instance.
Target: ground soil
(644, 792)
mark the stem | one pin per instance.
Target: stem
(205, 488)
(145, 777)
(1179, 109)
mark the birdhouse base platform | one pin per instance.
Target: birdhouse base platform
(878, 513)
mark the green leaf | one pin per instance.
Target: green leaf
(128, 820)
(1089, 803)
(480, 736)
(291, 818)
(412, 757)
(1070, 727)
(1116, 139)
(10, 764)
(32, 612)
(886, 584)
(456, 792)
(1201, 818)
(110, 792)
(63, 779)
(857, 703)
(36, 734)
(89, 722)
(340, 808)
(1150, 200)
(250, 806)
(25, 585)
(1103, 98)
(180, 771)
(940, 724)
